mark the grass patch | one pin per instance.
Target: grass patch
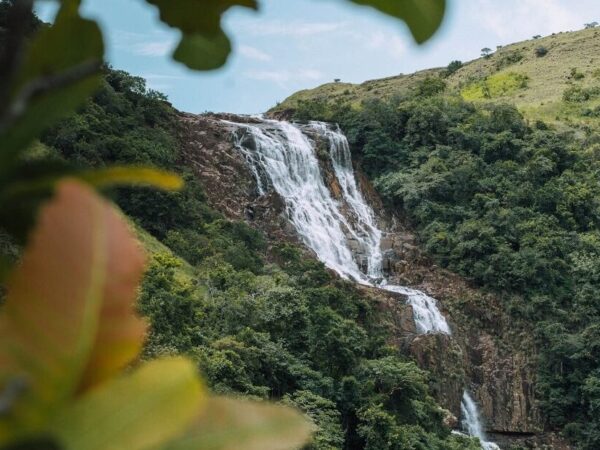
(498, 85)
(548, 78)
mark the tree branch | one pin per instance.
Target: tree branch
(19, 15)
(40, 86)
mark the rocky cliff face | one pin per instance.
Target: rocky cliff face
(485, 354)
(229, 185)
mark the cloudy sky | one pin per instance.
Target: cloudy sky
(297, 44)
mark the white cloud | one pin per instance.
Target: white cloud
(152, 48)
(519, 19)
(155, 44)
(126, 37)
(254, 53)
(390, 43)
(284, 77)
(160, 76)
(310, 74)
(293, 29)
(161, 82)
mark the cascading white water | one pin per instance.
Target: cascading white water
(286, 157)
(428, 318)
(471, 422)
(341, 159)
(281, 153)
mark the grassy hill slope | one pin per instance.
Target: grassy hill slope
(572, 60)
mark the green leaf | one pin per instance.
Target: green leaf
(60, 70)
(231, 424)
(35, 444)
(29, 184)
(204, 45)
(68, 320)
(423, 17)
(192, 16)
(138, 411)
(200, 52)
(5, 265)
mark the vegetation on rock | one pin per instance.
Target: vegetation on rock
(270, 325)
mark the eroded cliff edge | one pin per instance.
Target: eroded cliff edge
(486, 354)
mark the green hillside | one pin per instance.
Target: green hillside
(495, 165)
(517, 73)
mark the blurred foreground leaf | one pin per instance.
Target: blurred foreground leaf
(204, 45)
(123, 175)
(423, 17)
(202, 52)
(68, 318)
(136, 411)
(60, 70)
(232, 424)
(21, 198)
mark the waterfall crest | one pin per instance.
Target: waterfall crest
(341, 159)
(281, 156)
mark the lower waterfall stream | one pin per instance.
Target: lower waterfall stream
(282, 157)
(471, 422)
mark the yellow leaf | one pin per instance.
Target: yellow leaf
(231, 424)
(120, 333)
(51, 331)
(138, 411)
(133, 175)
(99, 178)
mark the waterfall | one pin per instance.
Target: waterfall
(280, 153)
(282, 157)
(471, 422)
(341, 159)
(428, 318)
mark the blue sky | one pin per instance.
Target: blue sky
(297, 44)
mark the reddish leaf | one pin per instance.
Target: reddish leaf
(69, 307)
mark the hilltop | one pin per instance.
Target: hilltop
(533, 75)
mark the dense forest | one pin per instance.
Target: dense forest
(266, 324)
(509, 203)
